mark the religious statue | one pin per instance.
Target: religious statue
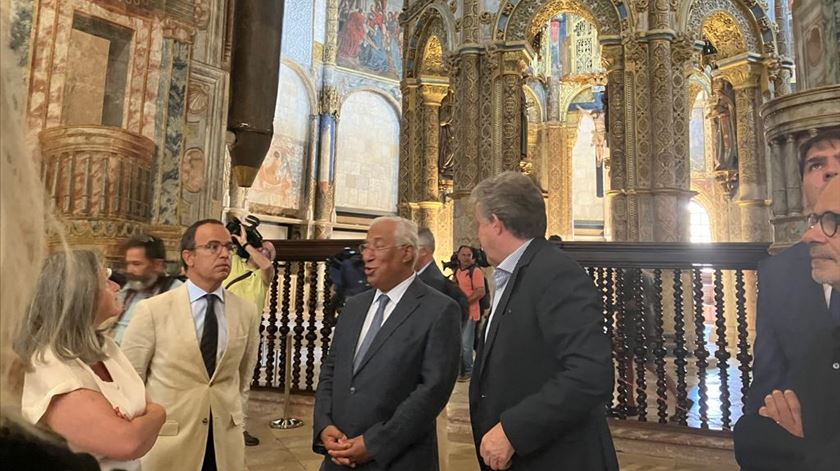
(446, 138)
(599, 136)
(723, 116)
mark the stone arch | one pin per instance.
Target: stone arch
(532, 97)
(698, 81)
(388, 97)
(434, 21)
(520, 21)
(367, 153)
(749, 16)
(307, 82)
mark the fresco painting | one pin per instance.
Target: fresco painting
(369, 37)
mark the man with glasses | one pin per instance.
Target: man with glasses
(797, 427)
(392, 363)
(195, 347)
(145, 269)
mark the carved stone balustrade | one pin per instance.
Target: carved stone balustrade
(789, 121)
(100, 181)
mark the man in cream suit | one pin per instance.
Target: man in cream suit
(195, 347)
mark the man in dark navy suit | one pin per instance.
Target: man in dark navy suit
(392, 364)
(793, 330)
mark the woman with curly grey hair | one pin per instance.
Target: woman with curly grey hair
(77, 381)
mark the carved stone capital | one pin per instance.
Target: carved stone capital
(178, 31)
(433, 94)
(330, 102)
(744, 75)
(612, 57)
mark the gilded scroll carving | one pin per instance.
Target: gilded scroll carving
(524, 19)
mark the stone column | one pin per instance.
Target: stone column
(783, 73)
(471, 131)
(665, 193)
(561, 139)
(612, 58)
(410, 145)
(324, 198)
(508, 108)
(426, 182)
(752, 187)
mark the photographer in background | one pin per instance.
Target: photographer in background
(251, 273)
(145, 271)
(471, 281)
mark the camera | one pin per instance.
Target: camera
(252, 235)
(479, 256)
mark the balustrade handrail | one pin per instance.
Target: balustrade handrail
(665, 255)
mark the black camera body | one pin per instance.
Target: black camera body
(479, 256)
(252, 235)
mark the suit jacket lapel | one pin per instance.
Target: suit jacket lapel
(186, 327)
(407, 305)
(233, 328)
(356, 320)
(501, 308)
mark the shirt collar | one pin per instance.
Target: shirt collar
(398, 291)
(196, 293)
(425, 267)
(510, 262)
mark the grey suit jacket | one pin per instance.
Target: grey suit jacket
(403, 383)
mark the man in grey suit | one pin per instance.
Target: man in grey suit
(392, 364)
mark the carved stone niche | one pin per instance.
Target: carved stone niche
(99, 179)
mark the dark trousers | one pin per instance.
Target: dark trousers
(210, 451)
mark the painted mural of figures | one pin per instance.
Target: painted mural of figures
(351, 36)
(723, 116)
(369, 37)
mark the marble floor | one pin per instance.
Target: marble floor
(282, 450)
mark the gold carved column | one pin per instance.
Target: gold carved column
(410, 145)
(561, 139)
(509, 103)
(752, 178)
(471, 127)
(427, 202)
(100, 180)
(612, 58)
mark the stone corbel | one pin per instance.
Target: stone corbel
(173, 29)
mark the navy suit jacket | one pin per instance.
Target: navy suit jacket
(402, 384)
(434, 278)
(791, 312)
(545, 370)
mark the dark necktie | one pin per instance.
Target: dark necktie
(375, 325)
(834, 306)
(210, 335)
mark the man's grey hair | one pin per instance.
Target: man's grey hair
(405, 232)
(426, 239)
(515, 200)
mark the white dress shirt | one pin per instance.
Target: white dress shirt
(394, 297)
(508, 265)
(198, 307)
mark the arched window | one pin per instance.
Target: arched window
(700, 228)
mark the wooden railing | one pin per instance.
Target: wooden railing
(678, 314)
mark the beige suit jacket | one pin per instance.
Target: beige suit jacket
(163, 347)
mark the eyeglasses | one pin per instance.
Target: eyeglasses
(215, 247)
(828, 222)
(377, 248)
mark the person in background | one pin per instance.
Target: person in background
(78, 383)
(429, 273)
(471, 281)
(145, 269)
(250, 278)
